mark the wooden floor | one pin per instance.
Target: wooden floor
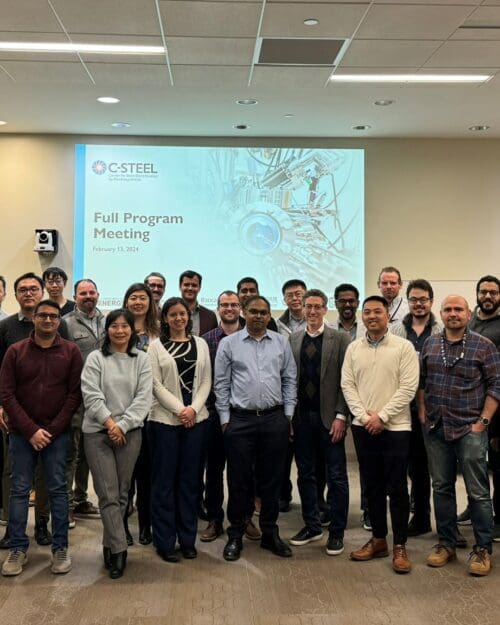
(260, 589)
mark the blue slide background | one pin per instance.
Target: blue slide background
(271, 213)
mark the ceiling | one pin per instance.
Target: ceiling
(211, 47)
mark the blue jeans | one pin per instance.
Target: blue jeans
(24, 459)
(309, 434)
(470, 451)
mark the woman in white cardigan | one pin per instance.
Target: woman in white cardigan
(181, 383)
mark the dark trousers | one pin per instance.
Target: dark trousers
(383, 462)
(286, 483)
(257, 443)
(418, 470)
(309, 434)
(142, 476)
(215, 464)
(176, 453)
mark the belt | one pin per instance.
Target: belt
(260, 412)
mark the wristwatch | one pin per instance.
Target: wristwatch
(484, 421)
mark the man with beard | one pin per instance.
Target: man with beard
(347, 301)
(202, 318)
(390, 283)
(85, 328)
(157, 283)
(486, 321)
(246, 288)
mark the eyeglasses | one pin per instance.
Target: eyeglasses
(28, 289)
(314, 306)
(54, 281)
(485, 292)
(50, 316)
(419, 300)
(292, 294)
(229, 305)
(346, 302)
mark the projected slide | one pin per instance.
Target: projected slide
(270, 213)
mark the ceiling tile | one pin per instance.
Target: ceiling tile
(389, 53)
(135, 17)
(210, 51)
(210, 19)
(412, 22)
(28, 15)
(294, 79)
(41, 72)
(131, 75)
(287, 19)
(207, 76)
(466, 54)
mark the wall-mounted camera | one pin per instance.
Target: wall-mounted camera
(45, 241)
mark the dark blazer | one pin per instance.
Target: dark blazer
(208, 320)
(334, 347)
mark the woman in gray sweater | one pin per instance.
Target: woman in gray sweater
(117, 394)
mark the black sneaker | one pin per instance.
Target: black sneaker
(464, 517)
(365, 521)
(325, 518)
(334, 546)
(305, 536)
(42, 535)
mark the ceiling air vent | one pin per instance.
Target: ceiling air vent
(300, 51)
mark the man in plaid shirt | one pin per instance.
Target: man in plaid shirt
(459, 394)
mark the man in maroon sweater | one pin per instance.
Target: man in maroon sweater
(40, 391)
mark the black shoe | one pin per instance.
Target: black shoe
(273, 543)
(129, 537)
(416, 528)
(325, 518)
(284, 505)
(42, 535)
(306, 535)
(460, 540)
(232, 550)
(168, 556)
(5, 542)
(106, 554)
(118, 564)
(334, 546)
(365, 521)
(189, 553)
(145, 537)
(202, 511)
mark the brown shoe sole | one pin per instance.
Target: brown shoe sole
(451, 557)
(401, 570)
(379, 554)
(211, 538)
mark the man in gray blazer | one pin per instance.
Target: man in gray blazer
(320, 422)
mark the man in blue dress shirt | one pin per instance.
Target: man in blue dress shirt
(256, 393)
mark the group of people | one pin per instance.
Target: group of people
(156, 399)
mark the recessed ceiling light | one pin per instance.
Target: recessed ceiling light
(241, 126)
(410, 78)
(121, 125)
(478, 128)
(71, 48)
(289, 115)
(311, 21)
(247, 102)
(105, 99)
(2, 123)
(361, 127)
(383, 102)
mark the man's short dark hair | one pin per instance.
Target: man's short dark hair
(255, 298)
(2, 280)
(295, 282)
(47, 302)
(229, 292)
(247, 279)
(390, 269)
(28, 276)
(54, 272)
(487, 279)
(422, 284)
(376, 298)
(157, 274)
(316, 293)
(190, 274)
(345, 287)
(78, 282)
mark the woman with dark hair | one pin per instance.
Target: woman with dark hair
(139, 301)
(181, 384)
(117, 394)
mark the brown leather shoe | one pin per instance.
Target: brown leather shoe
(252, 532)
(374, 548)
(440, 555)
(400, 561)
(213, 530)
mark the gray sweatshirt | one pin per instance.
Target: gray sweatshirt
(119, 386)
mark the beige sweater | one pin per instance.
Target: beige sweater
(167, 396)
(383, 379)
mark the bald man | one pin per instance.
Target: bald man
(458, 395)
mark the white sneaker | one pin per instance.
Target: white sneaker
(61, 562)
(13, 565)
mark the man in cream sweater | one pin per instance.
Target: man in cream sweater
(379, 379)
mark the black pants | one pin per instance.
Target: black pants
(383, 462)
(418, 471)
(215, 463)
(255, 443)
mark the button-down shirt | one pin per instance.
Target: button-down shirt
(398, 309)
(254, 374)
(355, 331)
(455, 396)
